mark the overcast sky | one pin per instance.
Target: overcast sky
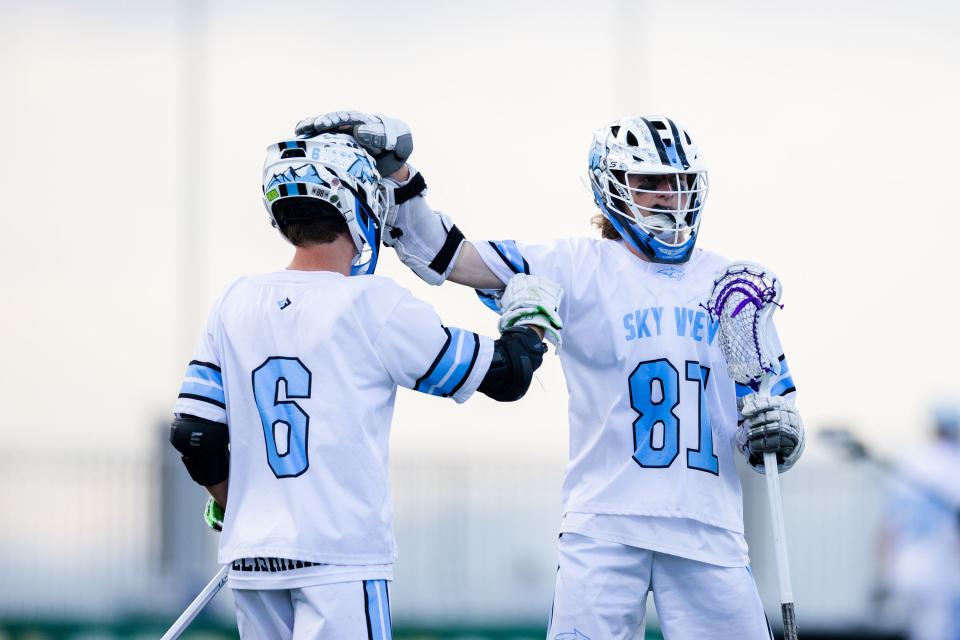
(134, 137)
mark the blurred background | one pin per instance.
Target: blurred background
(134, 136)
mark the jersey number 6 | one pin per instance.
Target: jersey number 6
(285, 414)
(660, 379)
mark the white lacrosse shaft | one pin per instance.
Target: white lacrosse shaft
(780, 544)
(779, 533)
(213, 587)
(746, 287)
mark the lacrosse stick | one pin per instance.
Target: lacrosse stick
(213, 587)
(744, 298)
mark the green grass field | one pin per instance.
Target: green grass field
(210, 630)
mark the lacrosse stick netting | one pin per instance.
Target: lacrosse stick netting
(744, 298)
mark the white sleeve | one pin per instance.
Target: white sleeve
(201, 392)
(506, 258)
(422, 354)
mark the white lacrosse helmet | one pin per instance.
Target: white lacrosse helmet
(334, 170)
(654, 160)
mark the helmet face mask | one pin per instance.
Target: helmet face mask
(650, 183)
(333, 170)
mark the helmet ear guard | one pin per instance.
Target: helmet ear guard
(625, 159)
(324, 175)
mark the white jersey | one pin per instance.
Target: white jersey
(653, 411)
(304, 368)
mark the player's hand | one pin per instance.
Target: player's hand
(770, 425)
(388, 140)
(534, 301)
(213, 515)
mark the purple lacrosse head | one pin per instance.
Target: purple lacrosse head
(743, 298)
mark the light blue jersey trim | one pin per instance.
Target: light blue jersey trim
(453, 364)
(202, 372)
(378, 609)
(203, 389)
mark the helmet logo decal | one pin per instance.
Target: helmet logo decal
(361, 170)
(303, 173)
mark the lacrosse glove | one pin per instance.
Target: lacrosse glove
(534, 301)
(769, 425)
(213, 515)
(388, 140)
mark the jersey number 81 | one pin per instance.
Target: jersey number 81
(659, 378)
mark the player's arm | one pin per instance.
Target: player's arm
(199, 429)
(426, 241)
(530, 311)
(204, 447)
(422, 354)
(430, 244)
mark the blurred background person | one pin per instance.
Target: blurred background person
(920, 536)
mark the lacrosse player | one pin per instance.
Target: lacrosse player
(651, 498)
(920, 543)
(289, 397)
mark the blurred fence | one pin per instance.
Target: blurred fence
(110, 537)
(77, 533)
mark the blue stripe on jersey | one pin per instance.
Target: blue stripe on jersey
(204, 372)
(783, 387)
(491, 298)
(202, 391)
(783, 383)
(452, 365)
(784, 367)
(510, 254)
(377, 610)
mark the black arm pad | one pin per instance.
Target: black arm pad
(411, 190)
(204, 447)
(516, 355)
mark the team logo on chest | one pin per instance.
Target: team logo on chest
(671, 273)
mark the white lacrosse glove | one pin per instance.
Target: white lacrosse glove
(388, 140)
(425, 240)
(770, 425)
(534, 301)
